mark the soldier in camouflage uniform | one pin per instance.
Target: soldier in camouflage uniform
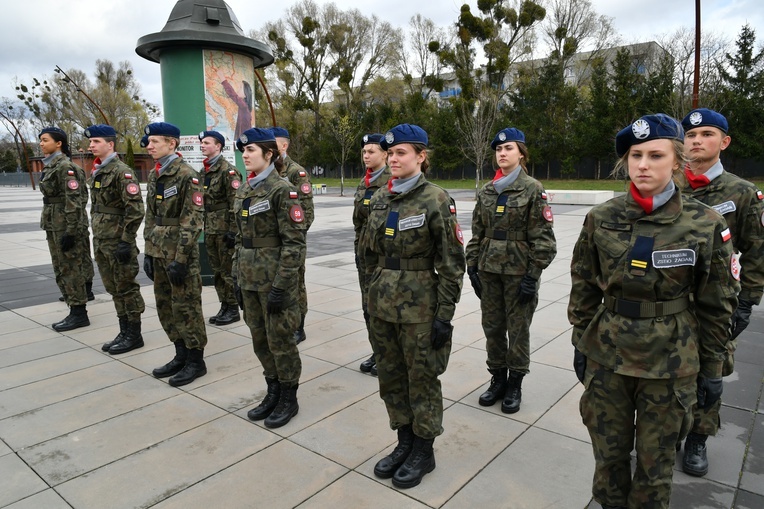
(377, 175)
(650, 305)
(415, 255)
(270, 246)
(512, 242)
(117, 212)
(174, 221)
(62, 219)
(221, 180)
(300, 179)
(88, 272)
(740, 202)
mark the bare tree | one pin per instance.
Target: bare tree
(476, 123)
(420, 67)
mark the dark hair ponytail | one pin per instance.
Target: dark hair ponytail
(60, 136)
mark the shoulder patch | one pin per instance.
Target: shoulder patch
(232, 172)
(544, 195)
(198, 198)
(70, 173)
(305, 188)
(128, 175)
(548, 214)
(726, 235)
(296, 213)
(194, 180)
(132, 188)
(452, 209)
(72, 184)
(459, 234)
(759, 195)
(303, 174)
(235, 184)
(735, 267)
(293, 195)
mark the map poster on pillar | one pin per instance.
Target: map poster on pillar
(229, 95)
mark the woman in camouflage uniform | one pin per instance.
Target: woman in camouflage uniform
(650, 307)
(512, 242)
(415, 254)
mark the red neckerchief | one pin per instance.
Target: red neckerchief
(367, 177)
(251, 175)
(695, 181)
(156, 168)
(97, 161)
(498, 175)
(645, 203)
(390, 185)
(206, 164)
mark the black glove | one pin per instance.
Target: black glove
(526, 290)
(123, 252)
(741, 317)
(709, 391)
(472, 272)
(275, 301)
(67, 242)
(237, 293)
(148, 266)
(579, 364)
(441, 333)
(230, 239)
(177, 273)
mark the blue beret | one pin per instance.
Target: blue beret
(100, 131)
(650, 127)
(280, 132)
(254, 135)
(403, 133)
(162, 129)
(705, 117)
(375, 139)
(212, 134)
(52, 130)
(144, 141)
(506, 135)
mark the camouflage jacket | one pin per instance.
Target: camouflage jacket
(175, 197)
(512, 232)
(63, 186)
(220, 184)
(361, 202)
(270, 244)
(681, 252)
(740, 202)
(116, 202)
(417, 231)
(300, 179)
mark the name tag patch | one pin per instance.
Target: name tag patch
(171, 191)
(725, 208)
(258, 208)
(409, 223)
(673, 258)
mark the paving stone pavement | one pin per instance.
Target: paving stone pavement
(82, 429)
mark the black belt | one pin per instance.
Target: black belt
(101, 209)
(261, 242)
(167, 221)
(634, 309)
(505, 235)
(212, 208)
(51, 201)
(406, 263)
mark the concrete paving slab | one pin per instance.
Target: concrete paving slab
(564, 417)
(330, 329)
(698, 493)
(348, 350)
(748, 500)
(752, 478)
(27, 337)
(240, 391)
(48, 499)
(48, 367)
(466, 372)
(558, 352)
(741, 389)
(18, 480)
(468, 330)
(355, 490)
(37, 350)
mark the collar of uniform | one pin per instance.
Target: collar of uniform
(419, 183)
(213, 160)
(666, 213)
(47, 161)
(170, 168)
(715, 171)
(111, 157)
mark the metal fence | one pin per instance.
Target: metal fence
(19, 179)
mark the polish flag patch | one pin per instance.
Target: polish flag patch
(71, 174)
(232, 172)
(759, 195)
(128, 175)
(194, 180)
(303, 174)
(543, 195)
(726, 235)
(293, 195)
(452, 209)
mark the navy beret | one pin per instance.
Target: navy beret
(100, 131)
(254, 135)
(650, 127)
(52, 130)
(704, 117)
(506, 135)
(374, 138)
(280, 132)
(403, 133)
(162, 129)
(144, 141)
(212, 134)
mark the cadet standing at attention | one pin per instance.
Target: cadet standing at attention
(117, 212)
(65, 223)
(377, 175)
(221, 180)
(512, 242)
(174, 221)
(270, 247)
(300, 179)
(740, 202)
(415, 253)
(650, 305)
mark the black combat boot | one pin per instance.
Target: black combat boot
(386, 467)
(497, 389)
(268, 403)
(286, 408)
(373, 370)
(514, 395)
(420, 462)
(89, 290)
(299, 334)
(176, 364)
(214, 319)
(78, 317)
(122, 327)
(194, 368)
(368, 364)
(695, 460)
(130, 341)
(230, 315)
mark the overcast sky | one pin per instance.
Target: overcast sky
(37, 35)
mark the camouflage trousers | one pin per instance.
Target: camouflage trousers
(663, 417)
(119, 280)
(70, 268)
(506, 322)
(88, 271)
(221, 260)
(363, 283)
(707, 421)
(273, 337)
(408, 369)
(302, 291)
(180, 307)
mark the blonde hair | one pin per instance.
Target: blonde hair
(621, 169)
